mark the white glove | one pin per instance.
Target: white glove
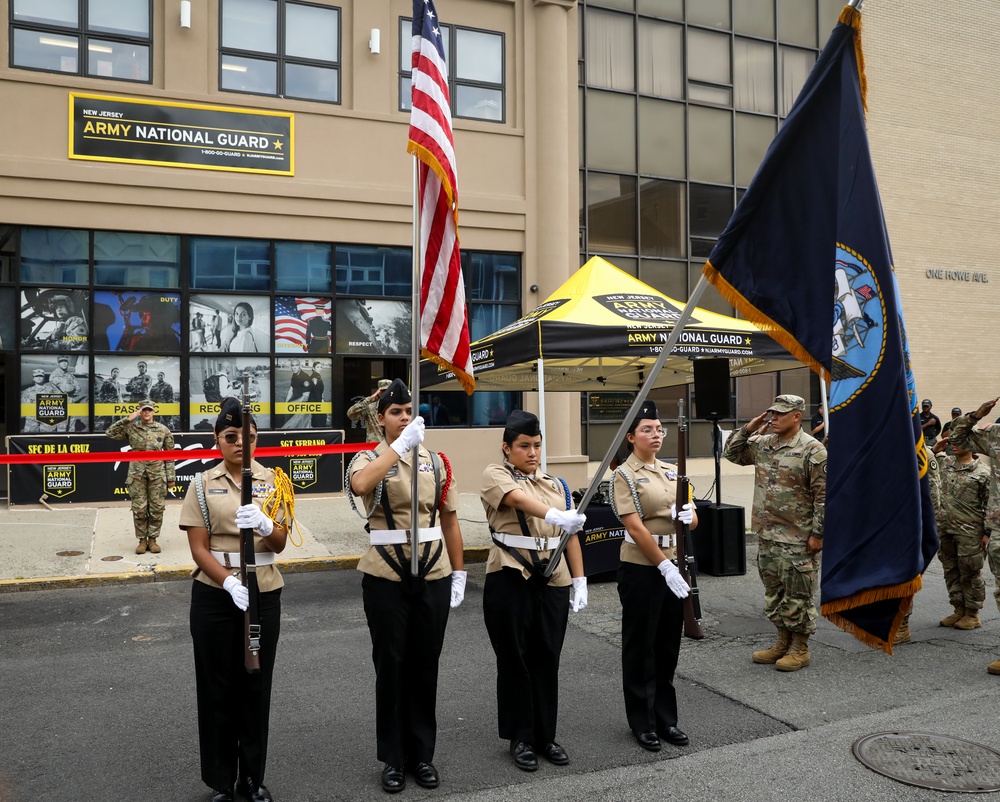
(685, 516)
(674, 580)
(569, 521)
(411, 436)
(458, 587)
(241, 596)
(250, 516)
(579, 593)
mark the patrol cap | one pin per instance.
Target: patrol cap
(646, 412)
(956, 411)
(231, 414)
(925, 403)
(140, 362)
(788, 403)
(58, 300)
(38, 372)
(521, 422)
(383, 384)
(63, 359)
(146, 404)
(396, 393)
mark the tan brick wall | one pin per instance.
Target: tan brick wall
(933, 123)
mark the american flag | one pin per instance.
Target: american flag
(292, 316)
(444, 323)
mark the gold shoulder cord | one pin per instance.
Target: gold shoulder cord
(283, 498)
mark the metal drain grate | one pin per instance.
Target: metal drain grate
(927, 760)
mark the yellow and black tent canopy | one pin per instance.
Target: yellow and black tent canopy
(602, 330)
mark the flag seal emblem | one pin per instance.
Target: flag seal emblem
(859, 331)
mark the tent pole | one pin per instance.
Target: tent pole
(541, 410)
(640, 398)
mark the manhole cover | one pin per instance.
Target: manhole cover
(113, 559)
(68, 553)
(932, 761)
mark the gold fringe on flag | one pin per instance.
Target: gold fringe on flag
(904, 592)
(467, 381)
(851, 16)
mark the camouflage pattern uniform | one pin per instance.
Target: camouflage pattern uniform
(367, 410)
(984, 441)
(147, 481)
(961, 526)
(789, 496)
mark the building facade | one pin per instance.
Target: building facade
(194, 192)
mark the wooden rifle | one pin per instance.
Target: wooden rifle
(248, 563)
(685, 545)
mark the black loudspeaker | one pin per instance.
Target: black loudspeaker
(711, 389)
(720, 539)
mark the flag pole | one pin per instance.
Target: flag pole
(826, 407)
(415, 376)
(640, 398)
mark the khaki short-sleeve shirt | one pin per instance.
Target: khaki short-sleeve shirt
(222, 496)
(398, 484)
(497, 483)
(656, 488)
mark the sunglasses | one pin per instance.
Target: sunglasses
(233, 438)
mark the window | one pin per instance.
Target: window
(125, 259)
(277, 47)
(475, 63)
(95, 38)
(230, 264)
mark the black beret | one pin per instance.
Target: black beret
(523, 423)
(646, 412)
(231, 414)
(396, 393)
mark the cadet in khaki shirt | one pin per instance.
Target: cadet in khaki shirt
(650, 586)
(233, 705)
(407, 615)
(526, 614)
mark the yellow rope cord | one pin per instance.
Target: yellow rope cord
(283, 498)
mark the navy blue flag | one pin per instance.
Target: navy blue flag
(806, 248)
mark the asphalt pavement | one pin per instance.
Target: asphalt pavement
(98, 696)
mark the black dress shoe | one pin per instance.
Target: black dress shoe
(647, 740)
(674, 736)
(393, 779)
(555, 754)
(249, 788)
(426, 775)
(222, 796)
(524, 756)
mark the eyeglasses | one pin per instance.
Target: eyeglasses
(649, 431)
(233, 438)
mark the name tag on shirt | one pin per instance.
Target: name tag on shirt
(217, 491)
(392, 471)
(642, 480)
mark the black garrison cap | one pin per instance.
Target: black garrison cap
(523, 423)
(396, 393)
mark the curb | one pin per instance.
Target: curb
(303, 565)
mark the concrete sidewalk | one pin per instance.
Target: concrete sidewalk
(70, 545)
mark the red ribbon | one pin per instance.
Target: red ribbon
(177, 454)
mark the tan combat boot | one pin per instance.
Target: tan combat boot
(798, 654)
(969, 621)
(902, 634)
(154, 547)
(771, 655)
(954, 618)
(994, 667)
(141, 548)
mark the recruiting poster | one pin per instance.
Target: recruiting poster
(302, 325)
(54, 320)
(374, 327)
(59, 480)
(214, 378)
(55, 393)
(233, 324)
(137, 322)
(302, 393)
(121, 382)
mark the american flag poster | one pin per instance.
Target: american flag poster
(302, 325)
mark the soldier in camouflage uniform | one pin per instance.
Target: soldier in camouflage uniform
(367, 410)
(965, 491)
(138, 386)
(65, 382)
(788, 511)
(148, 481)
(985, 441)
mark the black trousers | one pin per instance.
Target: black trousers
(526, 623)
(652, 622)
(234, 707)
(407, 634)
